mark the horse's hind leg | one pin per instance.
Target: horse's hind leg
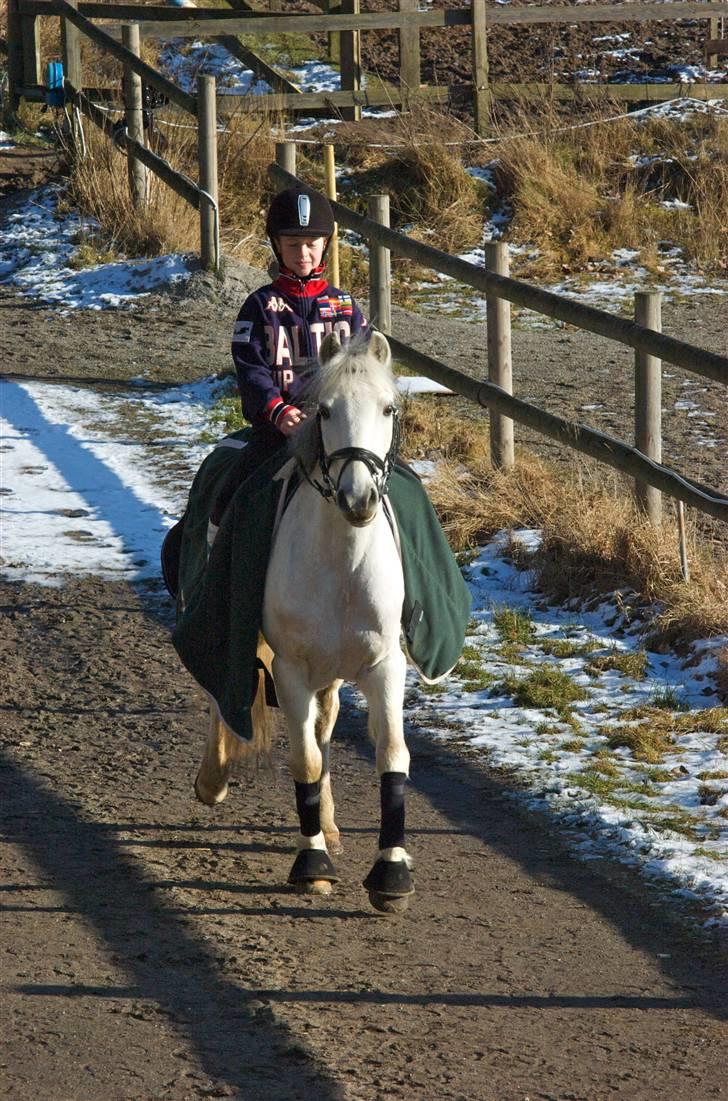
(312, 871)
(389, 882)
(221, 752)
(328, 710)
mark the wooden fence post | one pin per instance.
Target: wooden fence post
(648, 403)
(72, 78)
(380, 274)
(333, 7)
(15, 57)
(481, 94)
(409, 55)
(286, 156)
(333, 254)
(350, 60)
(30, 35)
(134, 116)
(711, 60)
(207, 152)
(498, 314)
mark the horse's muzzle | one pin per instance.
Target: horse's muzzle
(358, 510)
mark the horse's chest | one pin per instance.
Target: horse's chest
(333, 609)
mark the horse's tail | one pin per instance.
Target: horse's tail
(224, 750)
(260, 747)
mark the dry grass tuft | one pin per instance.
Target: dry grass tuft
(578, 195)
(593, 540)
(99, 186)
(426, 180)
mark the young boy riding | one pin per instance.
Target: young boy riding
(279, 329)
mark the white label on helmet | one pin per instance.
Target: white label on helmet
(304, 209)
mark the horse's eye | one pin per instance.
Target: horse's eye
(324, 412)
(388, 410)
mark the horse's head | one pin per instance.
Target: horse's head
(352, 431)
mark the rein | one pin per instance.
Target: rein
(379, 469)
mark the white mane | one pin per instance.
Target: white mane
(353, 367)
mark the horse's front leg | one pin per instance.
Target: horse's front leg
(313, 870)
(389, 882)
(328, 710)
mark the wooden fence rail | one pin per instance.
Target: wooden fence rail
(649, 345)
(588, 441)
(445, 17)
(344, 22)
(708, 364)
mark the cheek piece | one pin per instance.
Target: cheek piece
(392, 797)
(308, 802)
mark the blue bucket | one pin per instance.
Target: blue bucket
(54, 94)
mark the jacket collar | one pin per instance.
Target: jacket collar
(309, 287)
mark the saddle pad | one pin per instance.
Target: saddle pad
(220, 601)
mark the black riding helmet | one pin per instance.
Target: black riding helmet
(299, 212)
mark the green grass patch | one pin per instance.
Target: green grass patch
(514, 625)
(547, 728)
(629, 663)
(708, 796)
(565, 648)
(91, 252)
(667, 699)
(226, 416)
(658, 775)
(470, 670)
(644, 741)
(511, 653)
(604, 765)
(546, 687)
(709, 854)
(655, 730)
(716, 774)
(433, 689)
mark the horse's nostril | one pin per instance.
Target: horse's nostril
(358, 510)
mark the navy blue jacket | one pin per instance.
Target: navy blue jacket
(278, 334)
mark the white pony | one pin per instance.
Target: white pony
(332, 610)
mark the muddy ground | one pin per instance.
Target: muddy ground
(150, 948)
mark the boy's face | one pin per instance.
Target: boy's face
(301, 254)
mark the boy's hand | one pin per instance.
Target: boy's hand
(291, 421)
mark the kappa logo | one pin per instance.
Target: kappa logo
(278, 305)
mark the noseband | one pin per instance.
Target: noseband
(379, 469)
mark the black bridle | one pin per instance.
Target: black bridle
(380, 469)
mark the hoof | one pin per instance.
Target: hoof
(208, 797)
(314, 887)
(386, 904)
(389, 884)
(312, 866)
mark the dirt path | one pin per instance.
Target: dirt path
(151, 950)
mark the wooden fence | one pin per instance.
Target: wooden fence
(642, 461)
(346, 26)
(650, 345)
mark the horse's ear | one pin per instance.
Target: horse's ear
(379, 347)
(330, 345)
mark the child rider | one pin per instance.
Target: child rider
(279, 329)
